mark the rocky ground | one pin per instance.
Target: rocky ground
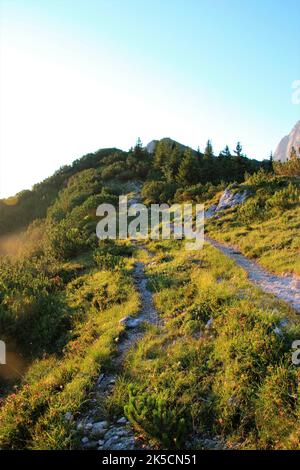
(117, 434)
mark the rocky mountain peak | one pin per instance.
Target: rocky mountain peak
(283, 150)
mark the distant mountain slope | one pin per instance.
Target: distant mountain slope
(283, 150)
(152, 145)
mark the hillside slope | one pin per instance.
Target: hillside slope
(213, 366)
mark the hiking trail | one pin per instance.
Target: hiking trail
(286, 287)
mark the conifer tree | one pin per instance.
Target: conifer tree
(225, 152)
(238, 150)
(208, 152)
(171, 164)
(293, 154)
(162, 154)
(138, 150)
(188, 169)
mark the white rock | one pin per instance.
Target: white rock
(121, 433)
(99, 429)
(210, 212)
(230, 199)
(85, 440)
(129, 322)
(283, 150)
(122, 420)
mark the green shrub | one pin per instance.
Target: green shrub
(107, 261)
(33, 312)
(113, 248)
(113, 170)
(198, 192)
(252, 210)
(152, 190)
(284, 198)
(157, 419)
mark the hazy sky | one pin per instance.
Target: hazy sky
(80, 75)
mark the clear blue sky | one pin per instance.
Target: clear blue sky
(78, 75)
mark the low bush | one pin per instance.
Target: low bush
(252, 210)
(285, 198)
(107, 261)
(157, 419)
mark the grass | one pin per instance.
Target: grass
(216, 357)
(34, 416)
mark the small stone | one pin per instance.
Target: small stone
(85, 440)
(103, 424)
(129, 322)
(122, 433)
(209, 323)
(283, 323)
(88, 426)
(101, 377)
(100, 428)
(91, 445)
(277, 331)
(100, 442)
(122, 420)
(111, 441)
(69, 416)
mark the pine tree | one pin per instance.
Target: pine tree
(188, 169)
(208, 152)
(138, 150)
(293, 154)
(162, 154)
(271, 162)
(238, 150)
(171, 164)
(225, 152)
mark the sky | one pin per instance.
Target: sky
(79, 75)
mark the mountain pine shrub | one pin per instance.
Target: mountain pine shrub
(285, 198)
(157, 419)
